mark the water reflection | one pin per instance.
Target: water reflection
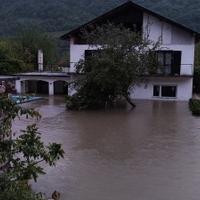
(150, 153)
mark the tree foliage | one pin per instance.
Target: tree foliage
(12, 190)
(19, 54)
(196, 81)
(120, 59)
(20, 156)
(194, 105)
(29, 40)
(9, 63)
(197, 56)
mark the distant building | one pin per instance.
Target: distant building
(48, 82)
(176, 54)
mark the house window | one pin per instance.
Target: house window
(164, 62)
(165, 91)
(168, 91)
(169, 62)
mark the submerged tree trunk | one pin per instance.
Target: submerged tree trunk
(128, 99)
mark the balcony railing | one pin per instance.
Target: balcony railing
(183, 70)
(56, 68)
(169, 70)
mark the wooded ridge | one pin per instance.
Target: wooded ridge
(63, 15)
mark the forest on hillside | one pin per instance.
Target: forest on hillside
(63, 15)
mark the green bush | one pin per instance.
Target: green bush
(16, 190)
(194, 105)
(20, 156)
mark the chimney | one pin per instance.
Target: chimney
(40, 60)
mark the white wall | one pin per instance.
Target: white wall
(169, 33)
(77, 52)
(145, 90)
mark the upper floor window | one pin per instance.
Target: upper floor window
(169, 62)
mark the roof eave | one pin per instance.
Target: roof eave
(129, 3)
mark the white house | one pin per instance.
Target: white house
(176, 53)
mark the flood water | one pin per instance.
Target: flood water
(150, 153)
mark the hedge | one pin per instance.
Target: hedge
(194, 105)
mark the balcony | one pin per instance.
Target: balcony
(169, 63)
(169, 70)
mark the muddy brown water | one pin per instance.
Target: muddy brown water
(150, 153)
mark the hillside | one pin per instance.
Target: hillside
(59, 15)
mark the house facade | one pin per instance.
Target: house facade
(175, 54)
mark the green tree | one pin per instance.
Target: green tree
(29, 40)
(9, 63)
(109, 73)
(19, 54)
(20, 156)
(12, 190)
(197, 55)
(59, 15)
(196, 81)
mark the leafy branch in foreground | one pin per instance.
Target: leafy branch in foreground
(20, 157)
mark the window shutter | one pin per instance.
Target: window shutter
(176, 67)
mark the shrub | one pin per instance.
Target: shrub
(196, 87)
(20, 156)
(13, 190)
(194, 105)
